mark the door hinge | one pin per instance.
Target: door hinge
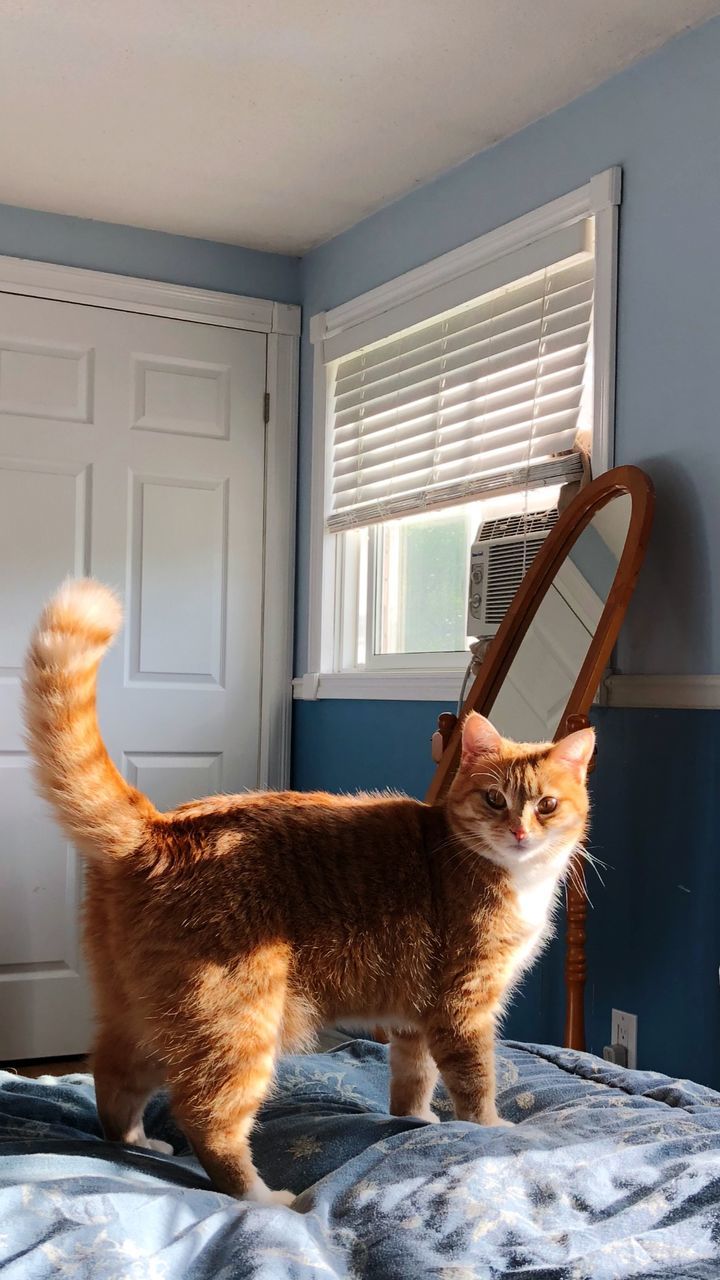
(266, 407)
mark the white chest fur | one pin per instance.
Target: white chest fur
(534, 902)
(536, 896)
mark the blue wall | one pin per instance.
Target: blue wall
(150, 255)
(661, 122)
(654, 932)
(363, 746)
(654, 947)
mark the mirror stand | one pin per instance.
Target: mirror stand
(564, 618)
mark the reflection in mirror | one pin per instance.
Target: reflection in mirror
(542, 675)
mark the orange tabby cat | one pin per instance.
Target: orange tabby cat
(226, 932)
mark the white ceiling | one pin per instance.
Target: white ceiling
(277, 123)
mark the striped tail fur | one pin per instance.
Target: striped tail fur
(97, 808)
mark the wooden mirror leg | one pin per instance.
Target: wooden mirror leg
(575, 958)
(576, 936)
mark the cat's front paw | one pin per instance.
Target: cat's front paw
(427, 1115)
(259, 1193)
(493, 1121)
(155, 1144)
(488, 1118)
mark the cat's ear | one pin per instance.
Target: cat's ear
(479, 738)
(575, 751)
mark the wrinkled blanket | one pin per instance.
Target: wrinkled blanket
(607, 1174)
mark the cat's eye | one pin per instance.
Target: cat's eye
(495, 799)
(547, 805)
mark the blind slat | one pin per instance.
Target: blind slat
(534, 476)
(479, 431)
(462, 367)
(446, 394)
(453, 345)
(516, 294)
(467, 400)
(477, 401)
(517, 445)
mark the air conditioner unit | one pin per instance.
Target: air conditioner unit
(501, 555)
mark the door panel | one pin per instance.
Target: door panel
(179, 549)
(169, 780)
(45, 381)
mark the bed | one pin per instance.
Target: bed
(607, 1174)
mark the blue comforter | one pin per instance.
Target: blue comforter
(607, 1174)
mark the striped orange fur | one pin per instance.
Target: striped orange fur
(230, 929)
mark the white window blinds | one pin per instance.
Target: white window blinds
(484, 399)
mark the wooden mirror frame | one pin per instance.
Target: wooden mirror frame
(496, 664)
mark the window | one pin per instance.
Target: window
(464, 392)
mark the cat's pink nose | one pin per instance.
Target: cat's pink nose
(519, 833)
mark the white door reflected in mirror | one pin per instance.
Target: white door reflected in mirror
(542, 675)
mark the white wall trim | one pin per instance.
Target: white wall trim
(322, 571)
(691, 692)
(281, 322)
(149, 297)
(662, 692)
(602, 192)
(279, 561)
(599, 198)
(446, 295)
(605, 331)
(390, 686)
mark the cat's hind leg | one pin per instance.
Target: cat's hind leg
(125, 1077)
(219, 1126)
(413, 1075)
(125, 1073)
(222, 1076)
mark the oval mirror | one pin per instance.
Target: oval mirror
(543, 669)
(531, 702)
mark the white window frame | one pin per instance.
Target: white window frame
(365, 319)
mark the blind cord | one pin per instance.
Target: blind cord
(477, 656)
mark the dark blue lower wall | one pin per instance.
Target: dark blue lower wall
(654, 933)
(363, 746)
(654, 928)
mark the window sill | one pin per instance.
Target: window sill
(392, 686)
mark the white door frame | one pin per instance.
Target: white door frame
(281, 322)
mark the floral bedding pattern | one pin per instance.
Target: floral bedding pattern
(607, 1174)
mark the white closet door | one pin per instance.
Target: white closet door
(131, 448)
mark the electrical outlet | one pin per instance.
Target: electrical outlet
(623, 1030)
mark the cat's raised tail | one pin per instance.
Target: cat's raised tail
(98, 809)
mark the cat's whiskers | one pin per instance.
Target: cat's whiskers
(459, 859)
(452, 848)
(495, 776)
(578, 882)
(453, 838)
(592, 861)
